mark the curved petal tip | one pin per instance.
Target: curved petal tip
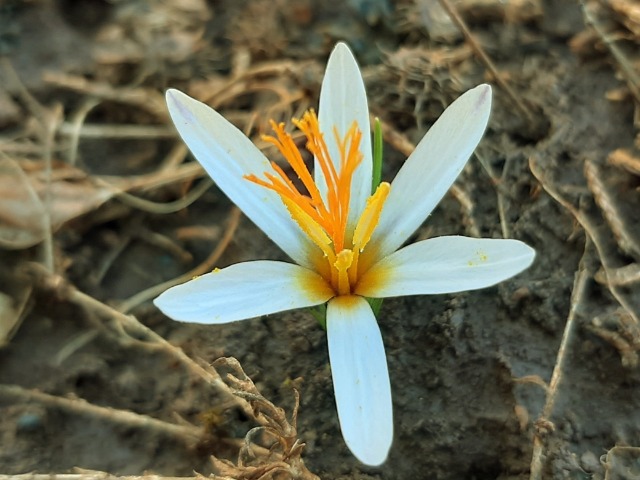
(360, 379)
(483, 95)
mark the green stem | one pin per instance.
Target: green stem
(375, 304)
(319, 312)
(377, 155)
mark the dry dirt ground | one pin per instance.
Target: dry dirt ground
(83, 121)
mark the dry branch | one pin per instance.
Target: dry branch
(544, 425)
(188, 434)
(128, 328)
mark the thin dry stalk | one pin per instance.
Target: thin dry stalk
(591, 230)
(150, 181)
(90, 130)
(48, 121)
(95, 475)
(129, 329)
(161, 208)
(497, 182)
(276, 69)
(544, 424)
(625, 336)
(620, 276)
(625, 159)
(13, 81)
(610, 210)
(146, 99)
(77, 406)
(633, 81)
(77, 120)
(50, 125)
(204, 267)
(477, 48)
(163, 242)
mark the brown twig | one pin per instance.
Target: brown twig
(160, 208)
(77, 121)
(498, 182)
(610, 210)
(128, 327)
(48, 121)
(591, 230)
(144, 98)
(457, 19)
(625, 159)
(543, 424)
(77, 406)
(13, 81)
(95, 475)
(89, 130)
(619, 276)
(633, 81)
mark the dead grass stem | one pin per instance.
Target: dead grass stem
(78, 406)
(544, 425)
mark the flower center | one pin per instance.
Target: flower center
(324, 219)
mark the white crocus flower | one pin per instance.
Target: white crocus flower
(345, 241)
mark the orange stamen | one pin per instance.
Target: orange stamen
(324, 219)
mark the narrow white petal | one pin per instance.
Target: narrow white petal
(445, 265)
(343, 100)
(360, 379)
(244, 290)
(227, 156)
(432, 168)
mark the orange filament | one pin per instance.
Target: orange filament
(325, 221)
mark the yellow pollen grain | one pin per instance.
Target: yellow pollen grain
(481, 257)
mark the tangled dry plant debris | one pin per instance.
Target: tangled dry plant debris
(619, 328)
(610, 242)
(433, 17)
(543, 425)
(609, 224)
(187, 433)
(83, 474)
(48, 186)
(282, 458)
(254, 461)
(43, 171)
(602, 239)
(616, 24)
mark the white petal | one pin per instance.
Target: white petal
(227, 155)
(432, 168)
(343, 100)
(445, 265)
(244, 290)
(360, 379)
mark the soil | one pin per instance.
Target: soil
(469, 371)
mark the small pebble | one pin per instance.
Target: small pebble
(590, 462)
(29, 422)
